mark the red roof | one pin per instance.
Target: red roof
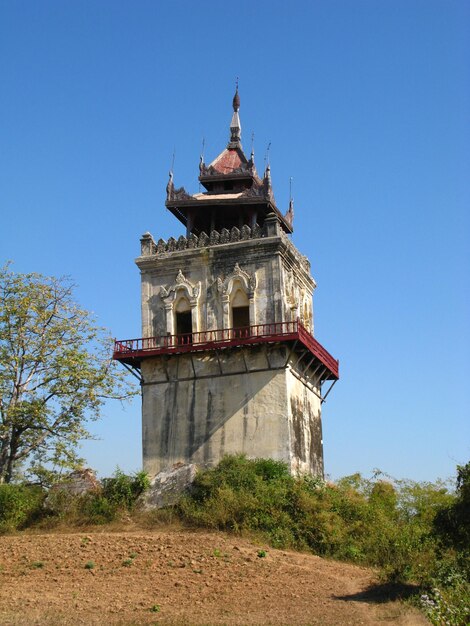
(229, 160)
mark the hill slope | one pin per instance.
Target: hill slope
(181, 577)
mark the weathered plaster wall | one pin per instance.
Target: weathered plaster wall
(200, 420)
(283, 286)
(306, 440)
(197, 409)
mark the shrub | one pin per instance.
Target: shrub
(99, 506)
(240, 495)
(19, 504)
(123, 490)
(452, 522)
(374, 522)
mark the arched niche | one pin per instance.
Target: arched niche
(183, 319)
(181, 305)
(238, 290)
(239, 307)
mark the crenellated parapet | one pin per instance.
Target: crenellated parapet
(149, 247)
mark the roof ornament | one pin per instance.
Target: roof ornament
(236, 99)
(268, 189)
(267, 173)
(170, 188)
(289, 216)
(252, 155)
(235, 126)
(266, 157)
(202, 167)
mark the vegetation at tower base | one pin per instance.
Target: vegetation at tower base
(416, 533)
(55, 374)
(26, 505)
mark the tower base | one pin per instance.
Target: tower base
(201, 406)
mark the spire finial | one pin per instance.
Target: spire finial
(235, 126)
(266, 156)
(236, 98)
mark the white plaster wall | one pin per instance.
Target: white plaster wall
(201, 420)
(305, 431)
(205, 266)
(262, 414)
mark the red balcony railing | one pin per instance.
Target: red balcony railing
(135, 349)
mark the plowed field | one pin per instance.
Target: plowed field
(181, 577)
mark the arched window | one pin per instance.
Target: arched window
(238, 299)
(181, 308)
(183, 319)
(240, 308)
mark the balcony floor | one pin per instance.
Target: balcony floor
(294, 334)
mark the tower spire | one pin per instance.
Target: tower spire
(235, 126)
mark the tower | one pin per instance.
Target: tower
(227, 360)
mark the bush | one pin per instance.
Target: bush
(371, 522)
(100, 506)
(452, 522)
(19, 505)
(123, 490)
(412, 531)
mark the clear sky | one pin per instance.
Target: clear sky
(366, 104)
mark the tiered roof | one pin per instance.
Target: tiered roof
(235, 194)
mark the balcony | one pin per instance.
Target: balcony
(311, 354)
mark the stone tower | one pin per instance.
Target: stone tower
(227, 359)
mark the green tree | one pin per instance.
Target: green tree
(452, 523)
(55, 372)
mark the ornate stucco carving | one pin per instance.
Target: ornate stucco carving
(225, 288)
(190, 290)
(149, 247)
(292, 295)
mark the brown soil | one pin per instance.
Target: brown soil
(181, 577)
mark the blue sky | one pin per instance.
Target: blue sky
(366, 105)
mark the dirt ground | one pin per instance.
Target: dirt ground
(180, 577)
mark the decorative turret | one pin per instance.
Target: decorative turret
(234, 193)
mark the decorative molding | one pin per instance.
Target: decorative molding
(193, 291)
(216, 238)
(210, 170)
(181, 194)
(225, 286)
(291, 291)
(168, 294)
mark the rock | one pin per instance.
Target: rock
(77, 483)
(167, 486)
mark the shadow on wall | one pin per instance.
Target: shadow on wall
(185, 420)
